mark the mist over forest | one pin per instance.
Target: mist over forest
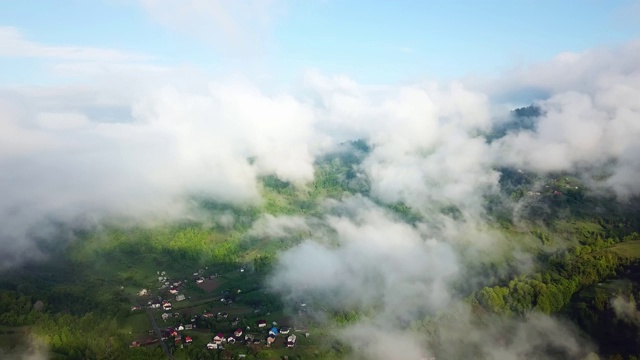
(481, 217)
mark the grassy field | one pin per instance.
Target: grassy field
(629, 249)
(137, 325)
(577, 226)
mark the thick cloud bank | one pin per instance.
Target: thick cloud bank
(138, 142)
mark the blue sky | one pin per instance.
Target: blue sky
(371, 41)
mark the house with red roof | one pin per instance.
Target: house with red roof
(218, 339)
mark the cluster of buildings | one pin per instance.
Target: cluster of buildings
(172, 287)
(176, 333)
(275, 334)
(219, 340)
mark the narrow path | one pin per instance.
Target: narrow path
(156, 329)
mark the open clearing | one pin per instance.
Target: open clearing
(209, 285)
(628, 249)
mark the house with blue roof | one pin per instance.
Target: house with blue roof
(273, 331)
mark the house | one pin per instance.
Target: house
(134, 344)
(212, 346)
(273, 331)
(166, 306)
(284, 330)
(207, 315)
(262, 323)
(224, 315)
(249, 337)
(165, 316)
(231, 340)
(291, 340)
(237, 333)
(180, 328)
(257, 341)
(270, 340)
(180, 297)
(135, 308)
(219, 338)
(188, 340)
(188, 327)
(199, 280)
(143, 292)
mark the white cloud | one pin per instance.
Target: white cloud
(13, 44)
(427, 148)
(278, 226)
(626, 309)
(584, 72)
(593, 123)
(459, 334)
(61, 160)
(378, 262)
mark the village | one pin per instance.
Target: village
(196, 311)
(554, 188)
